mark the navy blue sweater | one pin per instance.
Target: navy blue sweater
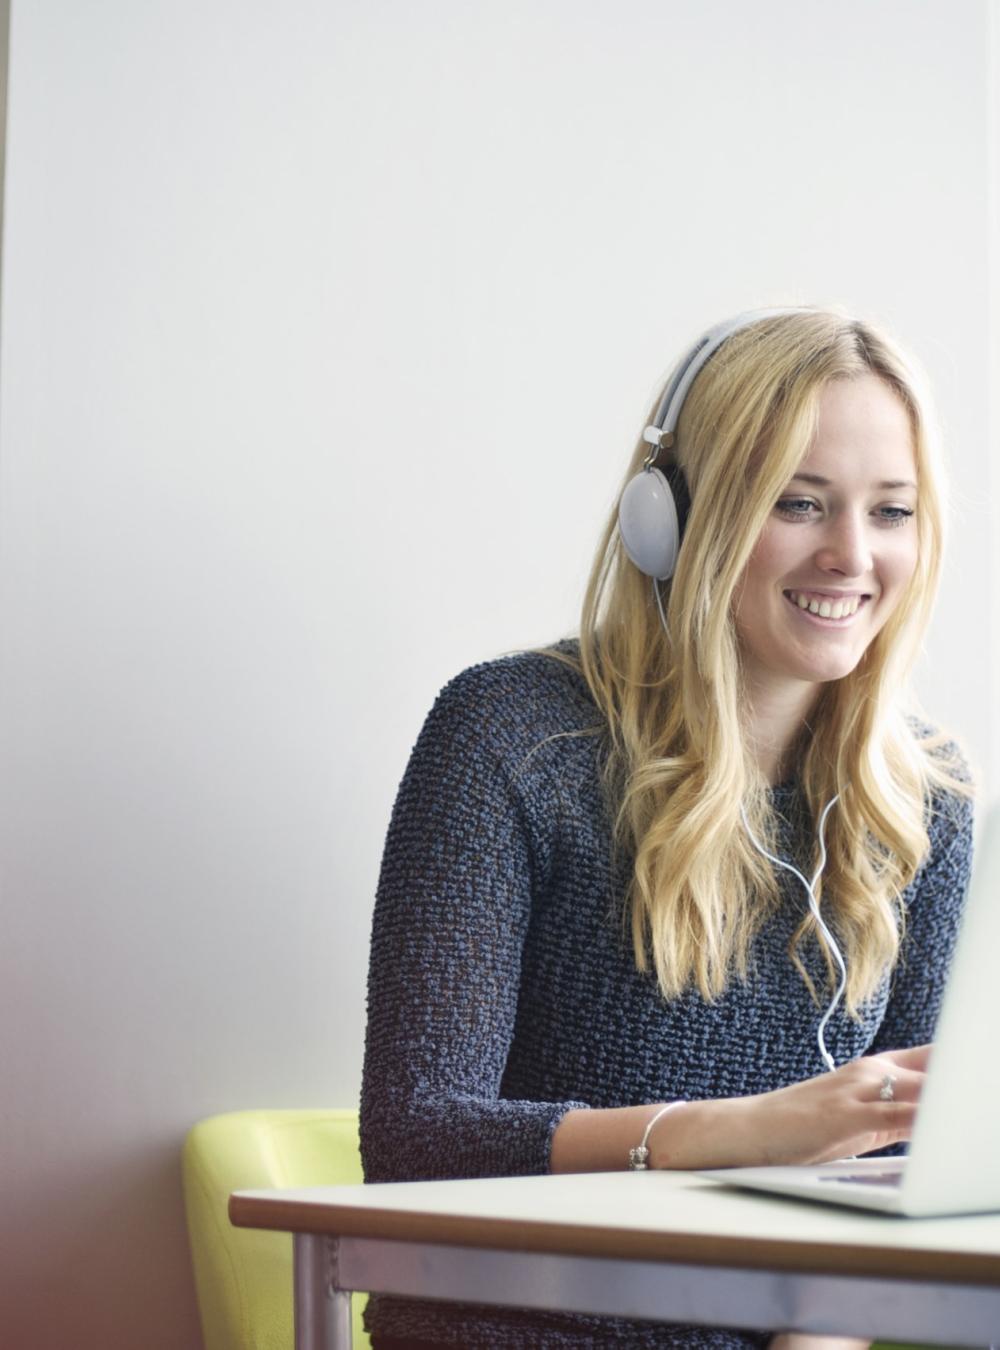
(503, 991)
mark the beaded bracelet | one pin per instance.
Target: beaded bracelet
(638, 1158)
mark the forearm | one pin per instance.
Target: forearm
(835, 1115)
(598, 1141)
(693, 1134)
(425, 1136)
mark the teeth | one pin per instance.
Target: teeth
(826, 609)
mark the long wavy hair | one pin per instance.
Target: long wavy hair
(679, 764)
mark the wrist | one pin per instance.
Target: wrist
(670, 1140)
(639, 1154)
(706, 1133)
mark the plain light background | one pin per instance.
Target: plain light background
(326, 331)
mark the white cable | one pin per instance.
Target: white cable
(659, 605)
(828, 937)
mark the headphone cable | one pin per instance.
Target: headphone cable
(828, 938)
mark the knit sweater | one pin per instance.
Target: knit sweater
(503, 991)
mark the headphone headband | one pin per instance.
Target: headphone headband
(661, 430)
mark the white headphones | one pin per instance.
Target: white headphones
(653, 509)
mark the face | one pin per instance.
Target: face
(840, 545)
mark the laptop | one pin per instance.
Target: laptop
(953, 1166)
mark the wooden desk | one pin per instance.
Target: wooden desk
(667, 1246)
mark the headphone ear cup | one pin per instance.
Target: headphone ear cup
(649, 523)
(674, 475)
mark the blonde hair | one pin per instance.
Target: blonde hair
(679, 764)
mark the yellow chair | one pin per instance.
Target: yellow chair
(244, 1277)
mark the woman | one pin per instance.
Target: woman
(590, 937)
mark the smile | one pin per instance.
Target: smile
(828, 609)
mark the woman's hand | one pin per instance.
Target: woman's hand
(794, 1340)
(836, 1115)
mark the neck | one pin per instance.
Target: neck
(776, 717)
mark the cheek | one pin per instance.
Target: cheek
(768, 562)
(756, 586)
(901, 564)
(897, 568)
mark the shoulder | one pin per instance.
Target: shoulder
(950, 782)
(941, 749)
(949, 805)
(519, 700)
(520, 731)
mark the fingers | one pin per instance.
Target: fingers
(893, 1126)
(902, 1073)
(899, 1085)
(880, 1106)
(887, 1095)
(896, 1075)
(914, 1058)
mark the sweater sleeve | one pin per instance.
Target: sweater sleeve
(451, 918)
(934, 905)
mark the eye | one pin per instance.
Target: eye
(894, 516)
(796, 508)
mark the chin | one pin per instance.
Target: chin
(826, 672)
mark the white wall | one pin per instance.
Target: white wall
(325, 333)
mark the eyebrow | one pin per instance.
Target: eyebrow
(818, 480)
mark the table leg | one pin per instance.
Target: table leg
(322, 1308)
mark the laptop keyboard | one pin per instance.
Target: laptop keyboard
(890, 1177)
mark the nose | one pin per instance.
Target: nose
(845, 548)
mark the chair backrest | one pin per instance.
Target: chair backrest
(244, 1277)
